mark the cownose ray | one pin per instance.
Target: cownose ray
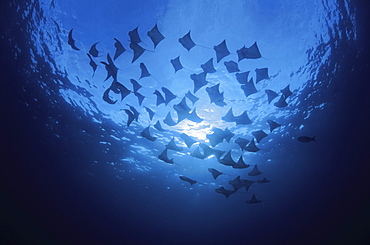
(169, 121)
(264, 180)
(249, 88)
(306, 139)
(134, 35)
(184, 178)
(146, 134)
(218, 153)
(255, 171)
(138, 51)
(229, 117)
(187, 139)
(140, 97)
(176, 63)
(172, 145)
(130, 115)
(241, 142)
(135, 85)
(225, 192)
(160, 99)
(111, 68)
(71, 41)
(215, 96)
(242, 119)
(92, 64)
(253, 200)
(261, 74)
(281, 102)
(199, 80)
(150, 112)
(221, 51)
(120, 49)
(231, 66)
(207, 151)
(240, 164)
(158, 126)
(193, 116)
(270, 95)
(164, 157)
(191, 97)
(215, 173)
(93, 50)
(182, 110)
(286, 91)
(219, 135)
(237, 183)
(155, 35)
(186, 41)
(259, 135)
(242, 77)
(227, 159)
(144, 71)
(273, 125)
(168, 95)
(251, 147)
(228, 135)
(252, 52)
(136, 113)
(208, 66)
(120, 88)
(106, 97)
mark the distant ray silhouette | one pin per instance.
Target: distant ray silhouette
(208, 66)
(164, 157)
(273, 125)
(146, 134)
(221, 51)
(194, 117)
(172, 145)
(93, 51)
(251, 147)
(106, 97)
(199, 80)
(169, 121)
(286, 91)
(119, 49)
(242, 119)
(150, 112)
(158, 126)
(259, 135)
(138, 51)
(264, 180)
(140, 97)
(134, 35)
(144, 71)
(191, 97)
(229, 117)
(271, 95)
(130, 115)
(237, 183)
(182, 110)
(160, 99)
(155, 35)
(249, 88)
(120, 88)
(281, 102)
(71, 41)
(176, 64)
(306, 139)
(225, 192)
(254, 171)
(188, 140)
(215, 95)
(247, 184)
(242, 77)
(92, 64)
(168, 95)
(111, 68)
(227, 159)
(241, 164)
(207, 151)
(214, 172)
(186, 41)
(197, 154)
(242, 142)
(231, 66)
(136, 113)
(187, 179)
(253, 200)
(136, 86)
(249, 53)
(261, 74)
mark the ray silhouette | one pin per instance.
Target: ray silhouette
(214, 172)
(182, 110)
(261, 74)
(140, 97)
(197, 154)
(130, 115)
(237, 183)
(229, 117)
(255, 171)
(231, 66)
(241, 164)
(286, 92)
(216, 137)
(242, 77)
(169, 121)
(221, 51)
(172, 145)
(158, 126)
(247, 183)
(242, 142)
(146, 134)
(227, 159)
(264, 180)
(155, 35)
(194, 117)
(119, 49)
(111, 68)
(187, 179)
(93, 51)
(71, 41)
(306, 139)
(251, 147)
(271, 95)
(92, 64)
(273, 125)
(120, 88)
(134, 35)
(253, 200)
(160, 99)
(187, 139)
(191, 97)
(186, 41)
(218, 154)
(138, 51)
(136, 113)
(249, 88)
(228, 135)
(199, 80)
(207, 151)
(281, 102)
(225, 192)
(164, 157)
(135, 85)
(144, 71)
(208, 66)
(150, 112)
(249, 53)
(215, 96)
(168, 95)
(106, 97)
(259, 135)
(242, 119)
(176, 64)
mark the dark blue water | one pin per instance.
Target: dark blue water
(74, 173)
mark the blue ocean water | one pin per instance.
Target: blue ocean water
(75, 173)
